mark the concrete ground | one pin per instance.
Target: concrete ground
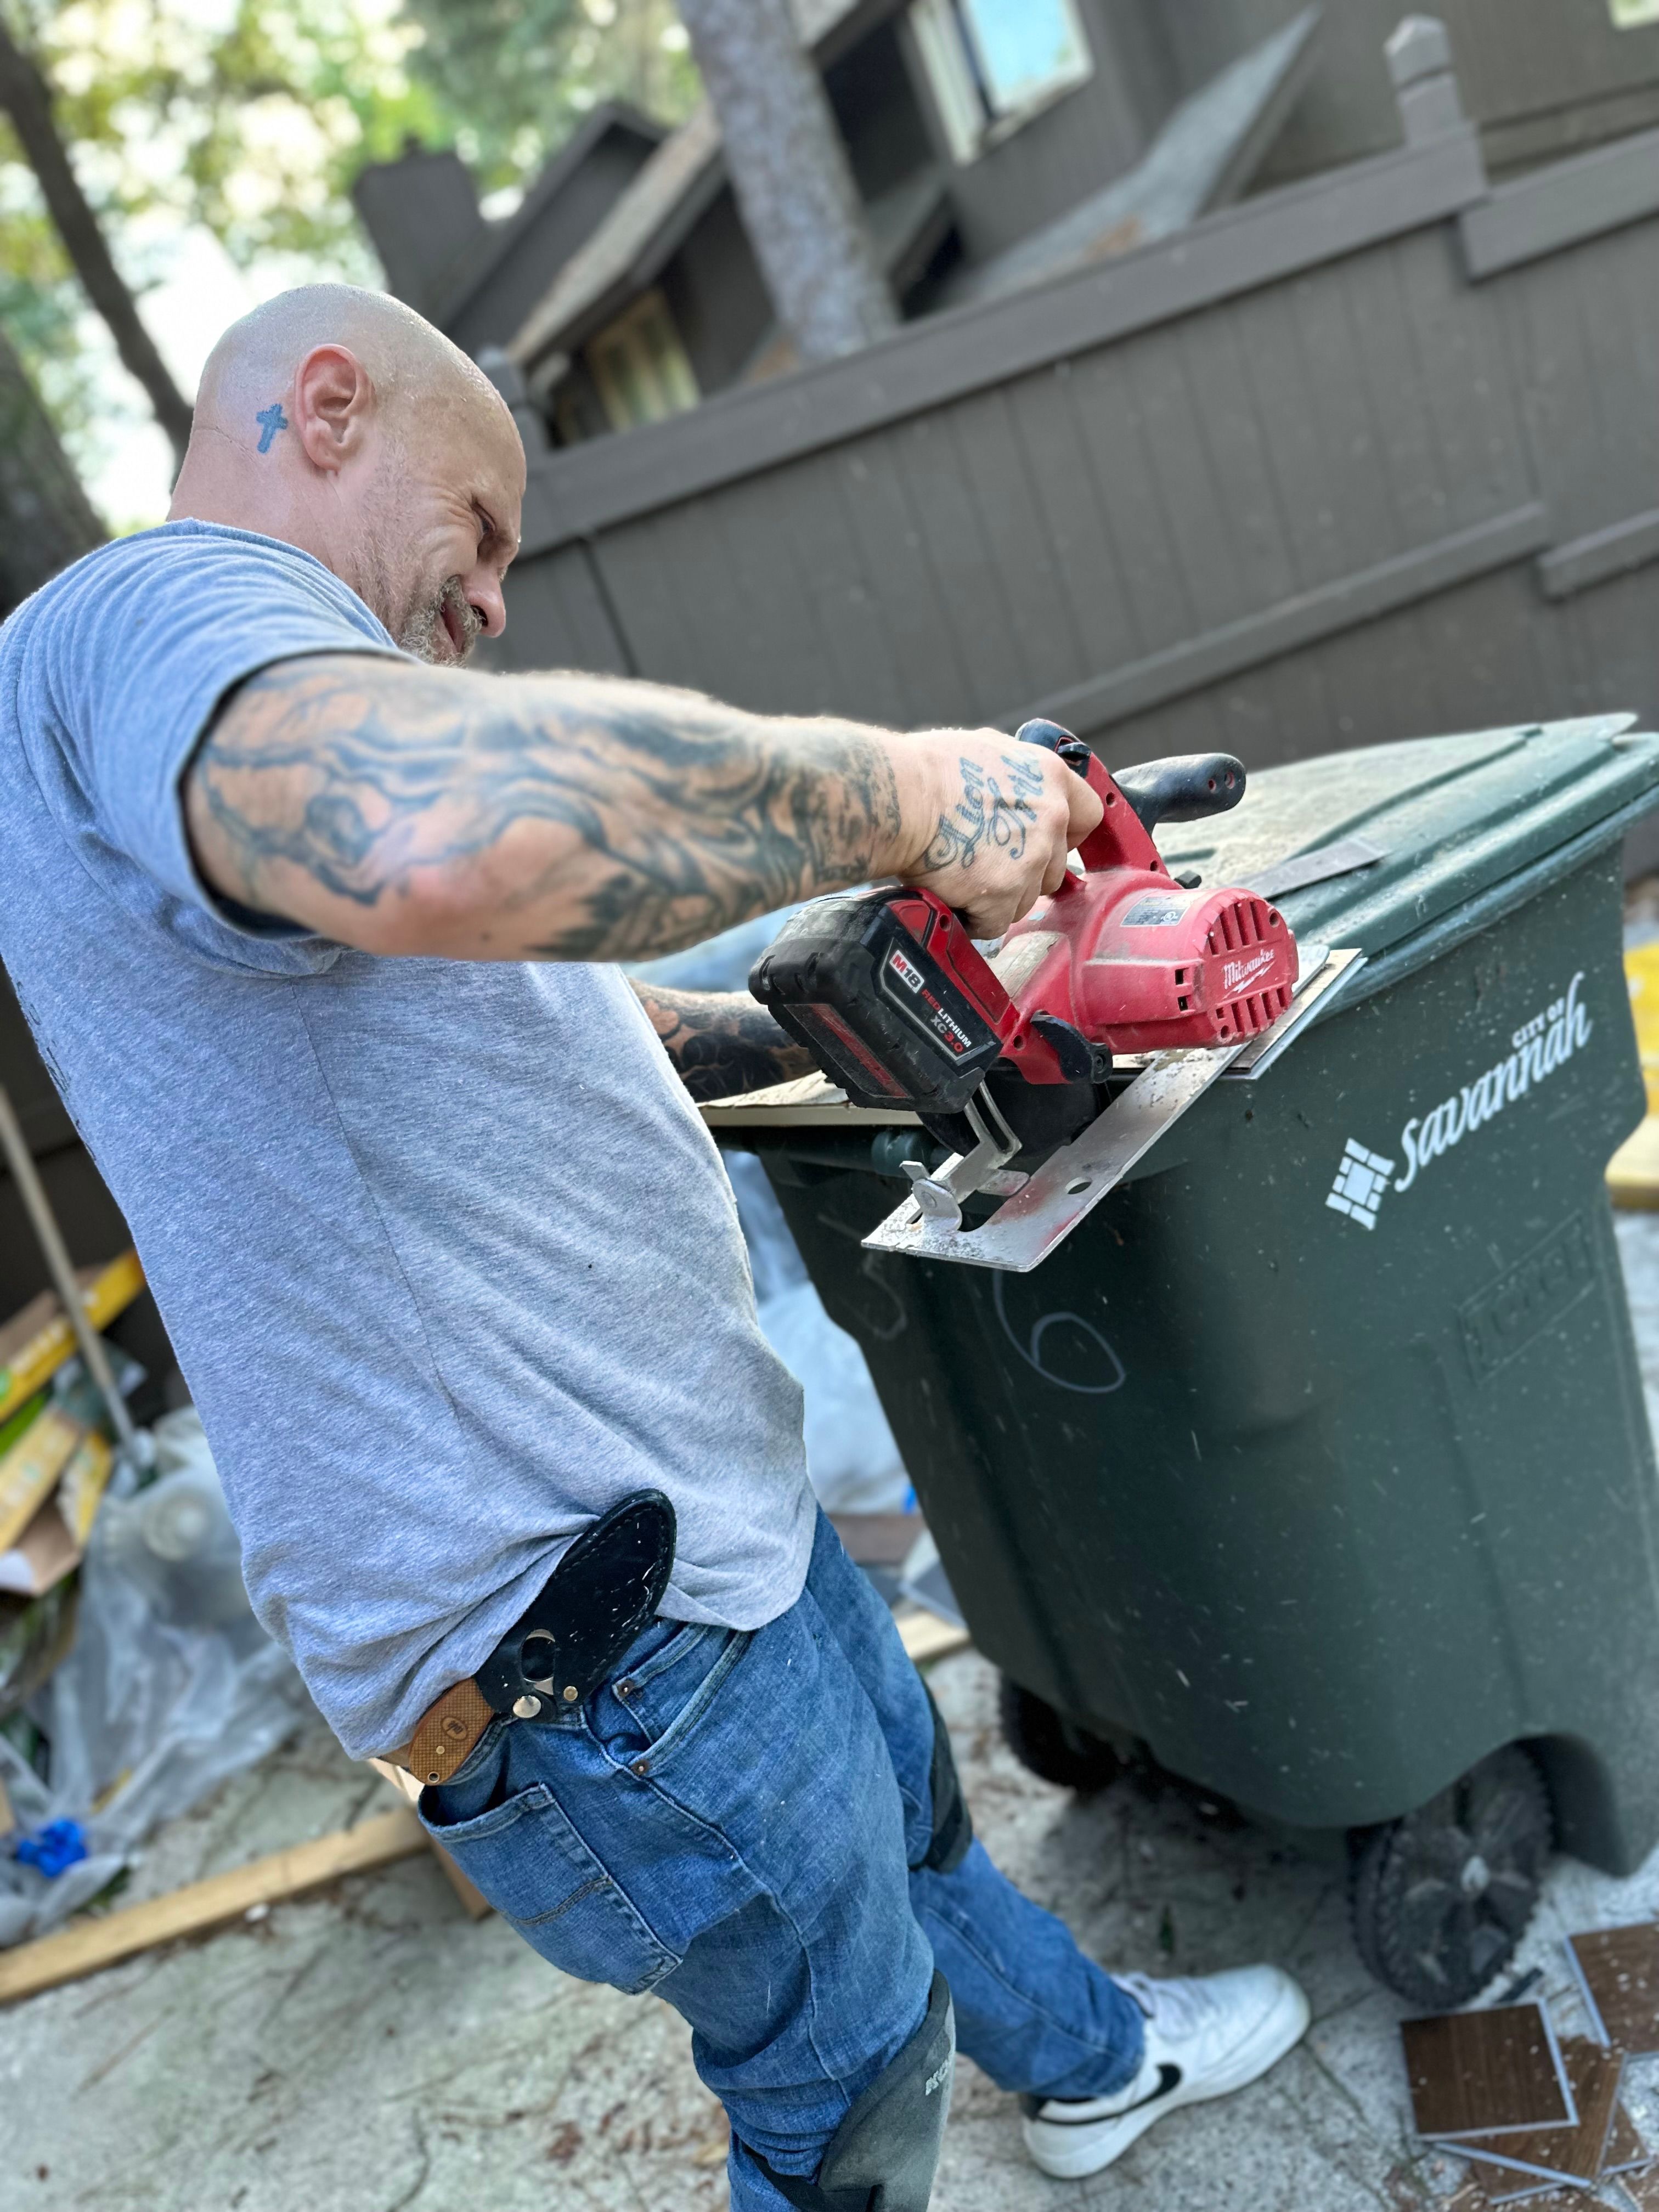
(371, 2050)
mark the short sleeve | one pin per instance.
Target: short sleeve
(136, 652)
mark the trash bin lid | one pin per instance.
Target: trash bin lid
(1469, 828)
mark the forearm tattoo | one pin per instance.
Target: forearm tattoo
(683, 818)
(988, 813)
(721, 1041)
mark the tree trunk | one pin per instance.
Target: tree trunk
(789, 170)
(46, 520)
(26, 97)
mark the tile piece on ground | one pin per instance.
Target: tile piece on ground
(1617, 1970)
(1575, 2153)
(1626, 2149)
(1486, 2073)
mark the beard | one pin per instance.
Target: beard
(443, 629)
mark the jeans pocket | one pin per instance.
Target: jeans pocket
(653, 1709)
(539, 1874)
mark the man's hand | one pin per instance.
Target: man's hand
(988, 823)
(720, 1042)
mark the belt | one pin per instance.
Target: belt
(604, 1591)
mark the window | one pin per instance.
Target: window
(1627, 14)
(991, 62)
(640, 366)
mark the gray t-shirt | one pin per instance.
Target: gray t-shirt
(445, 1253)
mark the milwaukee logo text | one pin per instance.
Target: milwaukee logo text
(1237, 972)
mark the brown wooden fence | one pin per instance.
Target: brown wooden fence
(1373, 456)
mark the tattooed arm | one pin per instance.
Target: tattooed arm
(408, 809)
(721, 1041)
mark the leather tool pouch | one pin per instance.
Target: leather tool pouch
(604, 1591)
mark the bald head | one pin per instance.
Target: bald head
(408, 362)
(342, 421)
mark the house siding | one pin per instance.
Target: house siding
(1067, 150)
(1374, 457)
(522, 278)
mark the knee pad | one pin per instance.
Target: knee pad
(953, 1825)
(882, 2157)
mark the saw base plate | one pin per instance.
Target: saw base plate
(1068, 1185)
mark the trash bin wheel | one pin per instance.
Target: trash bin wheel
(1052, 1746)
(1442, 1897)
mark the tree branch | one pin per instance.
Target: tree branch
(25, 98)
(46, 520)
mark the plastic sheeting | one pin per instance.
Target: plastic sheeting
(851, 1457)
(171, 1687)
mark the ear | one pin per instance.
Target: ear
(333, 401)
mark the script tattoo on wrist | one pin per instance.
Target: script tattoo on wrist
(684, 818)
(991, 811)
(721, 1042)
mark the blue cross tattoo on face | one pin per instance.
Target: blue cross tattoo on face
(270, 420)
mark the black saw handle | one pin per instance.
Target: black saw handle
(1183, 788)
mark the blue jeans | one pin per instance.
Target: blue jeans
(738, 1821)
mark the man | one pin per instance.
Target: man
(315, 929)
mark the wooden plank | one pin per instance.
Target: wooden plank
(888, 536)
(1074, 520)
(944, 357)
(474, 1903)
(35, 1343)
(1467, 383)
(1353, 470)
(787, 668)
(93, 1944)
(804, 1101)
(854, 625)
(1231, 424)
(1393, 374)
(1305, 620)
(926, 1636)
(1562, 204)
(1103, 401)
(1599, 554)
(1173, 441)
(1276, 379)
(1547, 341)
(1025, 564)
(985, 651)
(557, 618)
(1617, 335)
(641, 566)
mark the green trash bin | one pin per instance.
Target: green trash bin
(1315, 1465)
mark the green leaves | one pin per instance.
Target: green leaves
(516, 75)
(251, 118)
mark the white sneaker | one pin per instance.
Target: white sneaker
(1204, 2039)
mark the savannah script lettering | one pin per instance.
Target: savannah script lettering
(1548, 1042)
